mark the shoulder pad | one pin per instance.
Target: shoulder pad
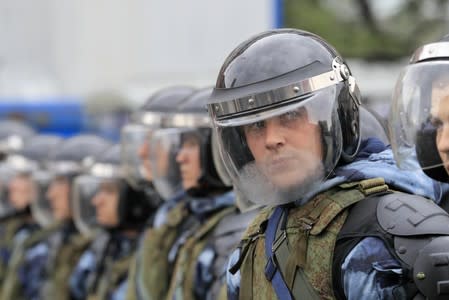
(430, 269)
(403, 214)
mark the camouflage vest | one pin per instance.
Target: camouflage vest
(9, 229)
(150, 275)
(131, 289)
(11, 288)
(182, 281)
(304, 248)
(56, 284)
(115, 272)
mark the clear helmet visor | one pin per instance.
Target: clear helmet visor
(276, 156)
(166, 144)
(419, 119)
(40, 207)
(18, 187)
(95, 203)
(6, 174)
(134, 143)
(84, 188)
(56, 201)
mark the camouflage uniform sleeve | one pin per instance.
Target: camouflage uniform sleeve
(369, 271)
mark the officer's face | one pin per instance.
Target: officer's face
(162, 165)
(286, 148)
(188, 159)
(440, 119)
(144, 154)
(21, 191)
(58, 194)
(106, 204)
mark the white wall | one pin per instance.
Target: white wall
(137, 45)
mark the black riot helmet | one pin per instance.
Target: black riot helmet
(164, 100)
(291, 75)
(13, 135)
(65, 162)
(189, 125)
(418, 122)
(135, 136)
(103, 177)
(38, 147)
(75, 153)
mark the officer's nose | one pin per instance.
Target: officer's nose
(274, 137)
(143, 151)
(96, 199)
(50, 192)
(181, 156)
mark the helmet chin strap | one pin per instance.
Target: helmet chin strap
(428, 155)
(354, 93)
(437, 173)
(350, 157)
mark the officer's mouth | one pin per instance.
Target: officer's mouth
(280, 164)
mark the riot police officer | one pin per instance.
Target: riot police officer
(286, 112)
(41, 268)
(136, 148)
(25, 170)
(103, 198)
(136, 136)
(196, 258)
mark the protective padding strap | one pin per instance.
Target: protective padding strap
(272, 272)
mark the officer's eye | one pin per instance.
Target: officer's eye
(294, 115)
(108, 188)
(255, 127)
(190, 142)
(436, 122)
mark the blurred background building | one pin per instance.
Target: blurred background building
(71, 66)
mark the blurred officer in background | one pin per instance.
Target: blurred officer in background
(40, 270)
(135, 141)
(104, 198)
(12, 137)
(181, 160)
(206, 226)
(25, 186)
(136, 136)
